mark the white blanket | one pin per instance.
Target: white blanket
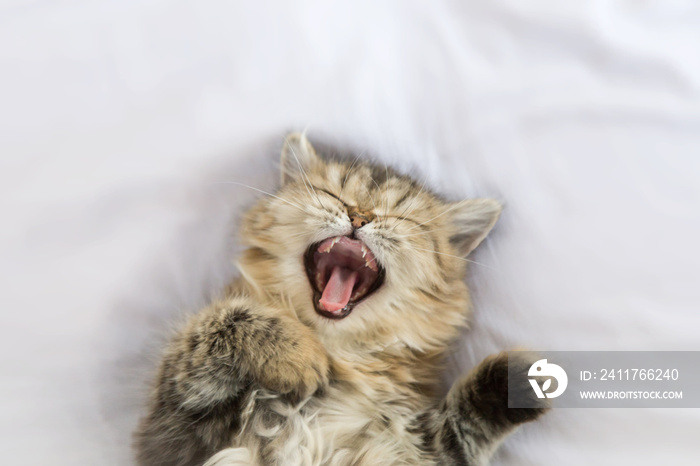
(120, 123)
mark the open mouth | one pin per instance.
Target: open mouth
(342, 272)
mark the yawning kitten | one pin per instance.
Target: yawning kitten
(327, 349)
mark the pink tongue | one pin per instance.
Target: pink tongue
(337, 292)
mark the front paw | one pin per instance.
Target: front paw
(297, 365)
(490, 385)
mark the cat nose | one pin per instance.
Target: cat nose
(360, 219)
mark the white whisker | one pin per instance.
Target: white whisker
(404, 214)
(261, 191)
(304, 177)
(342, 187)
(452, 255)
(386, 195)
(421, 233)
(454, 206)
(370, 194)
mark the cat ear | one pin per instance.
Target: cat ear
(297, 155)
(473, 219)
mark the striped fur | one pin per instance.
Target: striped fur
(260, 378)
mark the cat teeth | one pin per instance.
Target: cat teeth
(370, 261)
(369, 258)
(358, 293)
(372, 264)
(330, 245)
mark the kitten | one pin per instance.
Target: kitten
(327, 349)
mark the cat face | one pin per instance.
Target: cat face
(358, 251)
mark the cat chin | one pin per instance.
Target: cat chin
(338, 315)
(342, 314)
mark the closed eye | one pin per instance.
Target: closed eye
(331, 195)
(400, 217)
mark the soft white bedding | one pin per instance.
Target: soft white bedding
(121, 121)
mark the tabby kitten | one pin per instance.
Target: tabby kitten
(327, 349)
